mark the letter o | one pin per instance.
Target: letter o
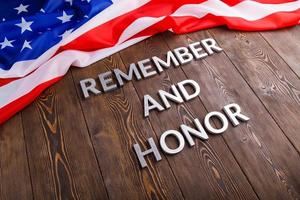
(221, 117)
(178, 136)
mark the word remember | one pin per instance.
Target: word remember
(111, 80)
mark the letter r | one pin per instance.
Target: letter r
(91, 87)
(236, 114)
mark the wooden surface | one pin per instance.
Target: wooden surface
(63, 146)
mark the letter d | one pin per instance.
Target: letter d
(181, 85)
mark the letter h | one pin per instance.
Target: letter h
(141, 154)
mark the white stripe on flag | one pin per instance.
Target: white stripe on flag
(248, 10)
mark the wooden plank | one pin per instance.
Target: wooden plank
(115, 123)
(264, 153)
(269, 76)
(206, 171)
(14, 173)
(67, 155)
(287, 44)
(38, 155)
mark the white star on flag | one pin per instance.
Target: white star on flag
(24, 25)
(70, 1)
(65, 18)
(26, 45)
(22, 8)
(66, 33)
(6, 43)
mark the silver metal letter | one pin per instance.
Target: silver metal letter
(179, 138)
(91, 87)
(175, 97)
(132, 70)
(155, 105)
(183, 55)
(183, 91)
(160, 63)
(236, 114)
(188, 131)
(153, 149)
(195, 50)
(106, 80)
(221, 117)
(145, 68)
(210, 45)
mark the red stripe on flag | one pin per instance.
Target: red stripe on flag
(5, 81)
(188, 24)
(14, 107)
(271, 22)
(108, 34)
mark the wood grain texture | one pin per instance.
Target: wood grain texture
(266, 156)
(286, 43)
(269, 76)
(14, 173)
(68, 158)
(38, 156)
(206, 171)
(66, 147)
(60, 166)
(115, 123)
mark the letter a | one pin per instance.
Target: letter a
(154, 105)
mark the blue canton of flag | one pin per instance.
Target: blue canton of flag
(28, 28)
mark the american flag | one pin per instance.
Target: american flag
(41, 39)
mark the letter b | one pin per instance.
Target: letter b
(183, 55)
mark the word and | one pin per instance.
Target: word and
(232, 114)
(111, 80)
(178, 95)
